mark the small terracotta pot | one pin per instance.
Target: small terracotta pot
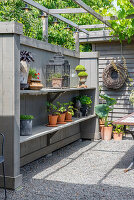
(68, 117)
(101, 121)
(102, 131)
(29, 79)
(52, 120)
(116, 136)
(108, 133)
(61, 119)
(57, 82)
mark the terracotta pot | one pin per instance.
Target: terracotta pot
(57, 82)
(29, 78)
(61, 119)
(108, 133)
(102, 131)
(52, 120)
(35, 85)
(117, 136)
(101, 121)
(68, 117)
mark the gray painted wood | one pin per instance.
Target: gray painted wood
(10, 102)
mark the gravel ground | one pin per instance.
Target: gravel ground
(83, 170)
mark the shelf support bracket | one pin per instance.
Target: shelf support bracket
(51, 99)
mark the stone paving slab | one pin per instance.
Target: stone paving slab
(88, 170)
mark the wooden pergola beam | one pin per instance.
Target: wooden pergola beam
(44, 9)
(92, 12)
(67, 11)
(93, 26)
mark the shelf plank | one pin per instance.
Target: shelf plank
(45, 91)
(41, 130)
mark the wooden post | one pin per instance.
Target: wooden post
(45, 27)
(76, 36)
(10, 101)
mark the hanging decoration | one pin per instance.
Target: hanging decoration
(115, 74)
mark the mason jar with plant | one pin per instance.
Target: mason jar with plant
(70, 112)
(118, 132)
(61, 107)
(26, 125)
(80, 68)
(102, 110)
(53, 114)
(83, 78)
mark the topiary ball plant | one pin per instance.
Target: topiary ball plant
(80, 68)
(83, 74)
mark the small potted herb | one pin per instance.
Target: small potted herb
(53, 114)
(86, 105)
(70, 112)
(25, 59)
(26, 125)
(62, 112)
(118, 132)
(57, 80)
(80, 68)
(32, 74)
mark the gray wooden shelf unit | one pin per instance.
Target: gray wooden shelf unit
(45, 139)
(44, 130)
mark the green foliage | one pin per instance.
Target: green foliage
(61, 107)
(52, 109)
(34, 74)
(102, 110)
(119, 128)
(58, 75)
(70, 108)
(11, 10)
(83, 74)
(85, 100)
(124, 28)
(80, 67)
(26, 117)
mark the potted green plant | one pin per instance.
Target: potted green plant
(86, 105)
(53, 114)
(25, 59)
(26, 125)
(102, 110)
(61, 107)
(34, 84)
(118, 132)
(57, 80)
(70, 112)
(83, 78)
(80, 68)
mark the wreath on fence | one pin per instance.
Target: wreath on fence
(115, 75)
